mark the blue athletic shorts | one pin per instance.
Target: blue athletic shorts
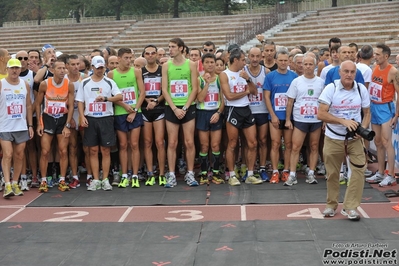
(122, 125)
(381, 113)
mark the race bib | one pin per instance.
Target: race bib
(375, 92)
(178, 88)
(308, 110)
(129, 95)
(280, 101)
(97, 108)
(211, 99)
(56, 108)
(257, 99)
(152, 86)
(239, 88)
(14, 109)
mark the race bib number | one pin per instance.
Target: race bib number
(56, 108)
(257, 99)
(308, 110)
(97, 108)
(211, 99)
(129, 96)
(280, 101)
(178, 88)
(239, 88)
(152, 86)
(375, 92)
(14, 110)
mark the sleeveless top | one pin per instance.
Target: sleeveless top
(56, 98)
(381, 91)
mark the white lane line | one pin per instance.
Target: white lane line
(12, 215)
(243, 213)
(125, 214)
(364, 214)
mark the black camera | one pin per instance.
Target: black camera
(361, 131)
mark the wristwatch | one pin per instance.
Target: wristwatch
(249, 80)
(68, 125)
(155, 100)
(105, 98)
(184, 108)
(135, 110)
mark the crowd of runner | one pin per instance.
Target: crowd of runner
(252, 117)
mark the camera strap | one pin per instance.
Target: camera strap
(346, 154)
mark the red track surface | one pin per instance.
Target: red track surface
(15, 210)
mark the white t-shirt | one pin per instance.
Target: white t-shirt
(324, 72)
(88, 92)
(13, 106)
(237, 84)
(306, 93)
(366, 71)
(345, 104)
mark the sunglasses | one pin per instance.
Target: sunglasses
(22, 58)
(148, 53)
(210, 50)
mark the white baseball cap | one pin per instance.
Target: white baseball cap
(98, 61)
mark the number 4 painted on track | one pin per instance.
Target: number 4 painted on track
(307, 213)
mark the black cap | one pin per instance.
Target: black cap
(233, 46)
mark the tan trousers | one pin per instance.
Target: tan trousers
(334, 153)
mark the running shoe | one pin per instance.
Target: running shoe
(204, 179)
(88, 181)
(50, 181)
(43, 187)
(368, 172)
(388, 181)
(285, 175)
(233, 181)
(264, 176)
(253, 180)
(24, 185)
(216, 179)
(291, 181)
(329, 212)
(116, 178)
(150, 181)
(1, 181)
(311, 179)
(244, 176)
(135, 182)
(243, 169)
(351, 214)
(376, 178)
(321, 169)
(29, 179)
(275, 178)
(170, 180)
(8, 191)
(190, 179)
(124, 182)
(181, 164)
(162, 180)
(75, 183)
(62, 186)
(106, 185)
(94, 185)
(16, 189)
(342, 179)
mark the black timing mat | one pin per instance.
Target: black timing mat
(213, 195)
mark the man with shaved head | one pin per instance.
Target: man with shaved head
(340, 105)
(257, 73)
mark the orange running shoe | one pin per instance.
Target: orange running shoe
(284, 176)
(275, 178)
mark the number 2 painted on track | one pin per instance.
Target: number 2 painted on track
(193, 215)
(68, 218)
